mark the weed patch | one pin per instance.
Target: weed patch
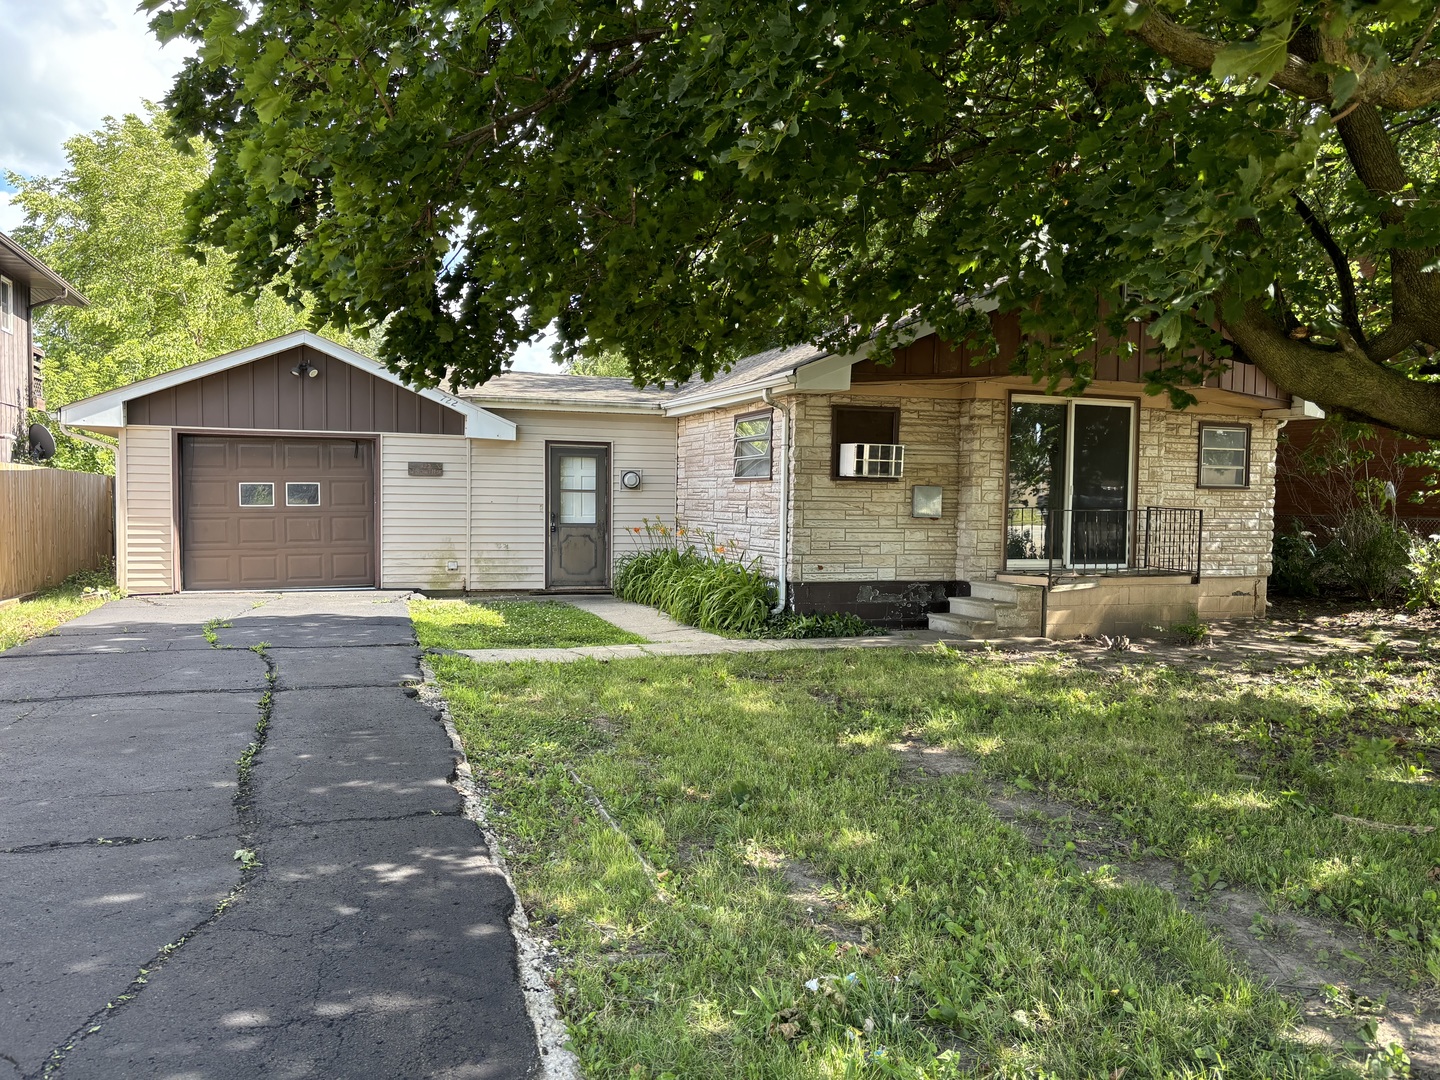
(78, 594)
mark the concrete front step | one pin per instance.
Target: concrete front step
(961, 625)
(974, 608)
(994, 590)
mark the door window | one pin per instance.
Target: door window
(579, 479)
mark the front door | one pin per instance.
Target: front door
(578, 515)
(1069, 491)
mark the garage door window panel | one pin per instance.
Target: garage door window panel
(303, 494)
(257, 494)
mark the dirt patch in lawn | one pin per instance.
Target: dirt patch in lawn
(1329, 971)
(1293, 633)
(809, 892)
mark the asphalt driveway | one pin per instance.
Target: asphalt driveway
(363, 931)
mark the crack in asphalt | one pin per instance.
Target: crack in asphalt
(98, 841)
(247, 819)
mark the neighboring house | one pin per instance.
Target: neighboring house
(896, 491)
(25, 284)
(1318, 496)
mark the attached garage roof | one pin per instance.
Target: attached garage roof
(543, 390)
(107, 412)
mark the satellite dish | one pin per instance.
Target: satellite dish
(42, 443)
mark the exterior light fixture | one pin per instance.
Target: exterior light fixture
(305, 369)
(630, 479)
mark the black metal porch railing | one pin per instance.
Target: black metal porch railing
(1150, 539)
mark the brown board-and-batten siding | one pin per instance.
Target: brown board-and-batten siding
(265, 396)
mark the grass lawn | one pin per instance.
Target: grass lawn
(938, 941)
(512, 624)
(42, 613)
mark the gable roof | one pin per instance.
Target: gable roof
(106, 412)
(46, 286)
(559, 391)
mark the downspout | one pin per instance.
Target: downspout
(783, 557)
(83, 438)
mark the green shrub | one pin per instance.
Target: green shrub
(1423, 589)
(694, 579)
(1295, 563)
(1368, 554)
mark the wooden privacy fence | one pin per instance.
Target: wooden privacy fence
(52, 523)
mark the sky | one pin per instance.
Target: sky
(70, 64)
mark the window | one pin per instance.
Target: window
(302, 494)
(579, 481)
(854, 424)
(7, 305)
(752, 446)
(257, 494)
(1224, 456)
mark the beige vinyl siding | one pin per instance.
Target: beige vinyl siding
(145, 477)
(508, 511)
(422, 518)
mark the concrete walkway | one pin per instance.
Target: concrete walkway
(670, 638)
(362, 932)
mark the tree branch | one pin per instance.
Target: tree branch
(1343, 380)
(1189, 48)
(1399, 87)
(1349, 309)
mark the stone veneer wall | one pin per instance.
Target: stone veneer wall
(1238, 523)
(709, 498)
(861, 530)
(982, 488)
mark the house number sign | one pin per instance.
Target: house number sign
(427, 468)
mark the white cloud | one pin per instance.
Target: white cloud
(10, 214)
(69, 64)
(535, 354)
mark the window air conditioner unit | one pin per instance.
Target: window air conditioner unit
(872, 459)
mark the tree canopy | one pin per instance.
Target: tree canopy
(686, 181)
(112, 223)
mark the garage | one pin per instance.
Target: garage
(277, 512)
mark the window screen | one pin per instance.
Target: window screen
(7, 304)
(1224, 456)
(752, 447)
(860, 425)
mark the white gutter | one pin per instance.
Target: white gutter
(784, 548)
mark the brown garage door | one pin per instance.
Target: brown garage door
(264, 513)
